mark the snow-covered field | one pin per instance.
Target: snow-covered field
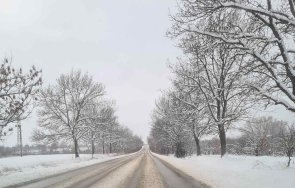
(14, 170)
(237, 171)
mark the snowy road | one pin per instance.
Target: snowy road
(138, 170)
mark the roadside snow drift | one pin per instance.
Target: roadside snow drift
(237, 171)
(15, 170)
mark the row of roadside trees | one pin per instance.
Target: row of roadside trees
(73, 111)
(237, 55)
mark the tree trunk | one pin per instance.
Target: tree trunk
(92, 143)
(289, 154)
(222, 138)
(103, 151)
(256, 152)
(110, 147)
(197, 144)
(92, 147)
(76, 148)
(180, 151)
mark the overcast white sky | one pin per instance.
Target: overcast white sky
(121, 43)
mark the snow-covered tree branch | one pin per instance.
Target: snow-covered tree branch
(17, 93)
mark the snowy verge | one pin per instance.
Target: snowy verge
(14, 170)
(233, 171)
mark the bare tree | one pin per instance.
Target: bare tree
(261, 30)
(286, 141)
(125, 141)
(63, 108)
(159, 139)
(192, 111)
(101, 126)
(169, 125)
(100, 117)
(260, 134)
(92, 125)
(17, 92)
(128, 142)
(106, 117)
(217, 75)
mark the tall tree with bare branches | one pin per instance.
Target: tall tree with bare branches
(261, 30)
(63, 108)
(192, 111)
(217, 75)
(17, 92)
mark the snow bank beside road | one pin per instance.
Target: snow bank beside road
(15, 170)
(237, 171)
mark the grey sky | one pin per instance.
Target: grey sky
(121, 43)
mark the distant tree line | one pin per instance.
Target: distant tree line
(58, 148)
(37, 149)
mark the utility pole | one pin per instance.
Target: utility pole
(19, 138)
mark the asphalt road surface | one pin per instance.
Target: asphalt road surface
(139, 170)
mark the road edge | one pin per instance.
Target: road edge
(61, 173)
(181, 173)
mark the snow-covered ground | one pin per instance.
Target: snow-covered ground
(237, 171)
(14, 170)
